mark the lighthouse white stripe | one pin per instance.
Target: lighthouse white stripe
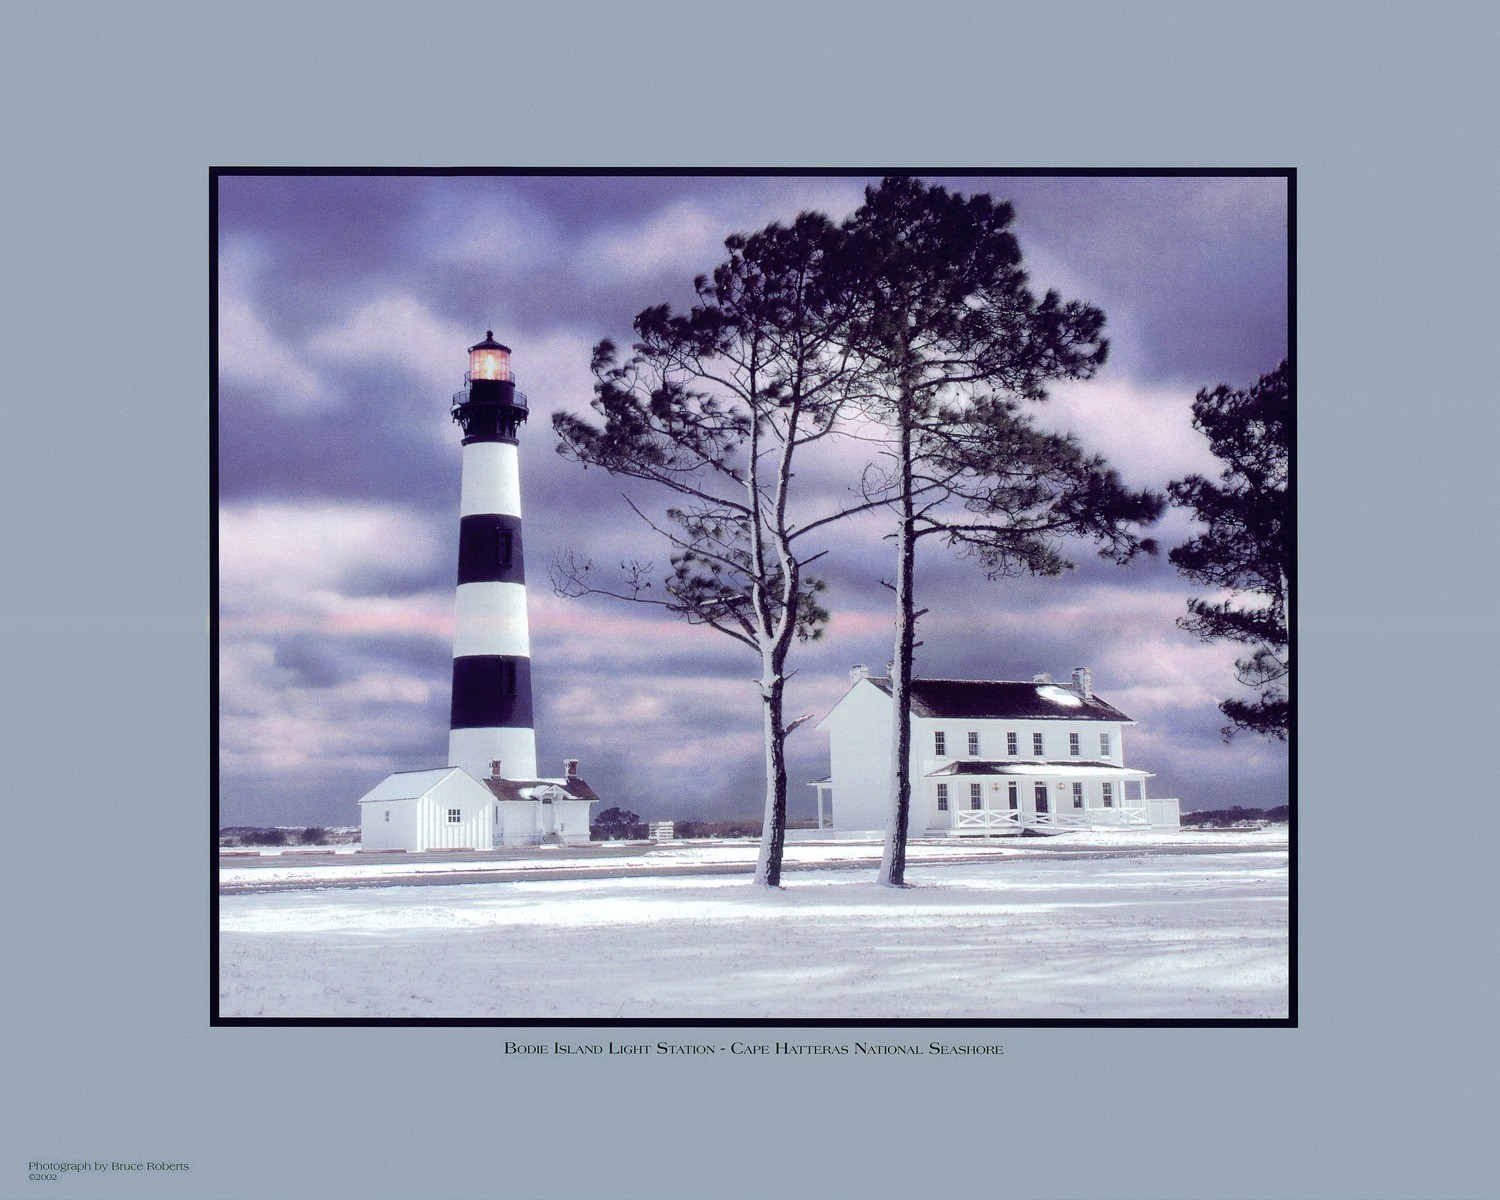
(491, 480)
(475, 749)
(491, 619)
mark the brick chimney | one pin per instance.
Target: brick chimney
(857, 672)
(495, 768)
(1083, 682)
(570, 768)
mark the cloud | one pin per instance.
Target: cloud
(397, 330)
(318, 682)
(1144, 432)
(495, 228)
(290, 559)
(346, 308)
(274, 720)
(684, 238)
(250, 353)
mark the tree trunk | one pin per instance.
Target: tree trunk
(773, 827)
(893, 860)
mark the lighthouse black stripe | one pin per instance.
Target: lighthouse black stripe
(491, 691)
(489, 549)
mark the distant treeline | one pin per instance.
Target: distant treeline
(281, 835)
(1229, 818)
(620, 824)
(734, 827)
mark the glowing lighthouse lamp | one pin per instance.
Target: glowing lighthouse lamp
(489, 360)
(491, 720)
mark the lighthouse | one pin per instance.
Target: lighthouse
(490, 728)
(489, 793)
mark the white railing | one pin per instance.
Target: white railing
(1133, 815)
(985, 819)
(1061, 820)
(1126, 817)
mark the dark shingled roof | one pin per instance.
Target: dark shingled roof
(510, 789)
(983, 699)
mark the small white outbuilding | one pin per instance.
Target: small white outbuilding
(446, 808)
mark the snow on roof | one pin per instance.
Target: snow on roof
(988, 699)
(406, 785)
(1070, 767)
(530, 789)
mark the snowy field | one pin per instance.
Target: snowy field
(1122, 925)
(240, 869)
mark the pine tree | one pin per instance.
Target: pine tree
(946, 324)
(1246, 546)
(714, 406)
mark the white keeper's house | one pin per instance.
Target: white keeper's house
(989, 757)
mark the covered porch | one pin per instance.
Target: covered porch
(976, 798)
(825, 801)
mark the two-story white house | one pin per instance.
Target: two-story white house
(988, 757)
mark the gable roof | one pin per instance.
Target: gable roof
(985, 699)
(407, 785)
(519, 789)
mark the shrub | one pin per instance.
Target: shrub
(1226, 818)
(616, 824)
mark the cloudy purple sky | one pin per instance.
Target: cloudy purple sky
(346, 305)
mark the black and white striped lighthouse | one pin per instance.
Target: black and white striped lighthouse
(491, 716)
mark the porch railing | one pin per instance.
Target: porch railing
(986, 819)
(989, 820)
(1094, 818)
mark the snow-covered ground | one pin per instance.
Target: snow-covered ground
(1189, 925)
(353, 868)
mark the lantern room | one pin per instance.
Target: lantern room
(489, 408)
(489, 359)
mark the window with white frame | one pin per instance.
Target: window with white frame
(454, 816)
(1078, 795)
(973, 744)
(942, 797)
(387, 814)
(1036, 744)
(1104, 743)
(1014, 795)
(1109, 794)
(976, 795)
(1074, 747)
(1012, 743)
(939, 743)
